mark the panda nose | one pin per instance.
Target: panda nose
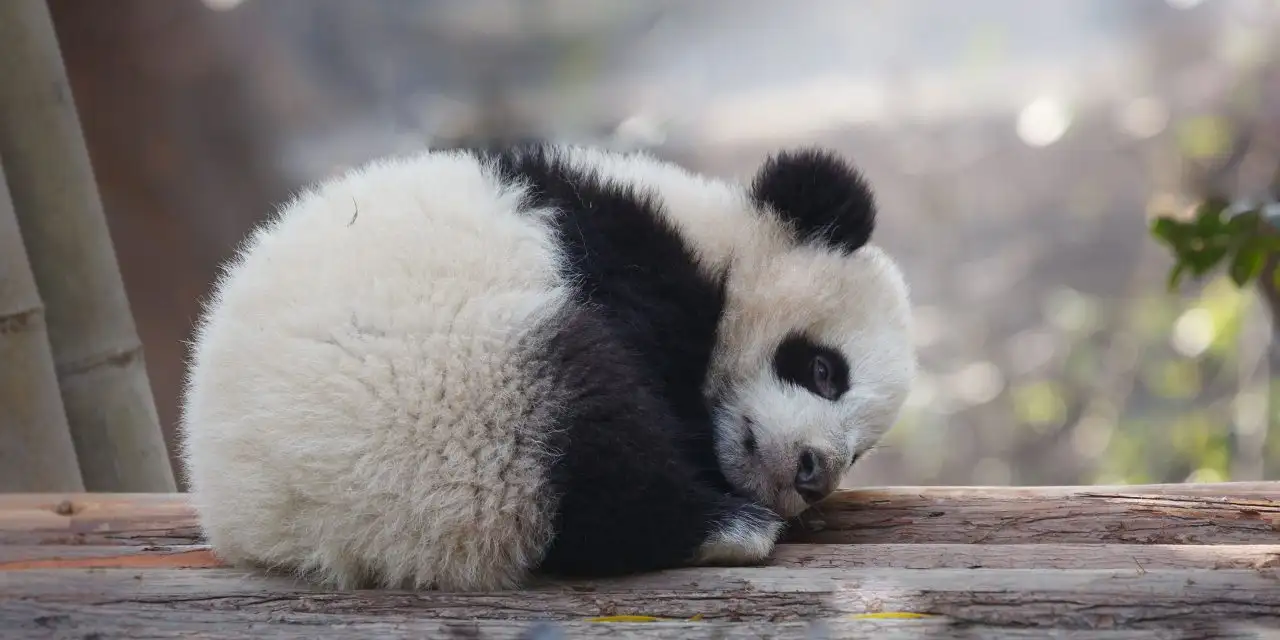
(814, 481)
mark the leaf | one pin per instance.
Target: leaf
(1269, 243)
(1218, 232)
(1176, 234)
(1244, 223)
(1204, 259)
(1209, 215)
(1175, 275)
(1167, 229)
(1247, 265)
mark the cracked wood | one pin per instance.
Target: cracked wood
(798, 556)
(1080, 599)
(1227, 513)
(976, 562)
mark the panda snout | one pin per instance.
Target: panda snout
(817, 474)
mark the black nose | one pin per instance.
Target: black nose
(813, 481)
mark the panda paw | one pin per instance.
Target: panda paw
(744, 536)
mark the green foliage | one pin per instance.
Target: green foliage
(1216, 235)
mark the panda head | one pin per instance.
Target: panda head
(814, 356)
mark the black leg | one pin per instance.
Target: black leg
(630, 497)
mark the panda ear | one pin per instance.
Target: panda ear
(821, 197)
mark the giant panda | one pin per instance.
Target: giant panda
(464, 369)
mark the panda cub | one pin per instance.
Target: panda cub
(460, 369)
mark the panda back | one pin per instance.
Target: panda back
(364, 403)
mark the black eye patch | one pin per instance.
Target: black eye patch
(820, 370)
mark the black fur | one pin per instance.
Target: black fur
(630, 499)
(637, 480)
(822, 198)
(793, 362)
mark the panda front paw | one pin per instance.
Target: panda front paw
(744, 536)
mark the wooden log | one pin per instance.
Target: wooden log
(37, 454)
(54, 620)
(116, 586)
(46, 621)
(1080, 599)
(192, 556)
(97, 518)
(101, 372)
(795, 556)
(1023, 556)
(1227, 513)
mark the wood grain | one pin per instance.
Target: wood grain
(47, 621)
(796, 556)
(1082, 599)
(1232, 513)
(1025, 556)
(1227, 513)
(145, 519)
(1160, 561)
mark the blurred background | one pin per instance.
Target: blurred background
(1019, 150)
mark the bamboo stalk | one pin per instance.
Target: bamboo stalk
(103, 378)
(36, 452)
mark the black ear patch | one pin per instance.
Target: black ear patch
(820, 196)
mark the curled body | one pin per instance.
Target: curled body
(457, 369)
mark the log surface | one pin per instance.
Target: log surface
(1227, 513)
(1161, 561)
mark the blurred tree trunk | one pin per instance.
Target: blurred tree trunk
(182, 150)
(36, 452)
(95, 345)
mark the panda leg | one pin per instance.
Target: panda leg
(629, 498)
(617, 516)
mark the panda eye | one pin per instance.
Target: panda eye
(822, 375)
(821, 370)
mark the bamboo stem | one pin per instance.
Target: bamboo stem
(103, 378)
(36, 452)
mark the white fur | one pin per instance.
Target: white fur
(332, 426)
(740, 541)
(858, 303)
(336, 422)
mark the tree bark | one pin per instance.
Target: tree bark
(36, 452)
(95, 345)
